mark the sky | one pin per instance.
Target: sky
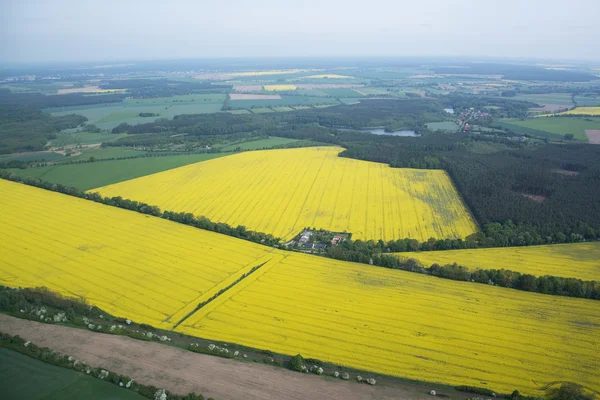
(93, 30)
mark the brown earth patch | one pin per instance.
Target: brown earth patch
(249, 96)
(593, 135)
(181, 371)
(87, 89)
(565, 172)
(534, 197)
(247, 88)
(552, 108)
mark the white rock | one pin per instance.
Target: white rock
(359, 378)
(128, 321)
(236, 353)
(27, 343)
(101, 316)
(149, 334)
(433, 393)
(371, 381)
(99, 327)
(245, 356)
(160, 394)
(121, 384)
(163, 338)
(112, 328)
(91, 326)
(129, 384)
(345, 376)
(70, 358)
(319, 371)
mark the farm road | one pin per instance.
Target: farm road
(182, 371)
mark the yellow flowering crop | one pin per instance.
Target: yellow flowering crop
(583, 111)
(574, 260)
(282, 191)
(135, 266)
(399, 323)
(409, 325)
(271, 88)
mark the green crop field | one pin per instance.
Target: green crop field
(24, 377)
(447, 126)
(101, 173)
(342, 92)
(36, 156)
(587, 101)
(262, 110)
(552, 127)
(284, 101)
(104, 153)
(107, 116)
(259, 144)
(550, 98)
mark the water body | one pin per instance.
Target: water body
(381, 131)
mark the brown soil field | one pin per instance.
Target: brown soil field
(248, 96)
(534, 197)
(565, 172)
(247, 88)
(593, 135)
(86, 89)
(181, 371)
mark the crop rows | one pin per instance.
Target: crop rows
(282, 191)
(132, 265)
(409, 325)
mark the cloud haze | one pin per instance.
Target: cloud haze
(68, 30)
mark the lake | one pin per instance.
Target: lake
(381, 131)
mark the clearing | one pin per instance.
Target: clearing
(24, 377)
(572, 260)
(282, 191)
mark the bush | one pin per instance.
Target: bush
(296, 363)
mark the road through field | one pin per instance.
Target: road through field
(182, 371)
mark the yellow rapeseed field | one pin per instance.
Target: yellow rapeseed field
(272, 88)
(404, 324)
(409, 325)
(135, 266)
(282, 191)
(576, 260)
(583, 111)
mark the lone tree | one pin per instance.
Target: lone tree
(296, 363)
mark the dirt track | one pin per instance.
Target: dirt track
(181, 371)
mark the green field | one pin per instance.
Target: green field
(104, 153)
(24, 377)
(585, 101)
(446, 126)
(549, 98)
(107, 116)
(342, 92)
(78, 138)
(284, 101)
(552, 127)
(259, 144)
(92, 175)
(262, 110)
(36, 156)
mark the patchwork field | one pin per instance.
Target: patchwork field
(147, 269)
(409, 325)
(394, 322)
(282, 191)
(271, 88)
(107, 116)
(573, 260)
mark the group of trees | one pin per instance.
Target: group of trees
(152, 88)
(27, 129)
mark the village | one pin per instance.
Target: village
(314, 240)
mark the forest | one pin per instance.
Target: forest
(26, 129)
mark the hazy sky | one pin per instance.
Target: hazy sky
(73, 30)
